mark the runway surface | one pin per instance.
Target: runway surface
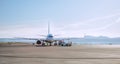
(76, 54)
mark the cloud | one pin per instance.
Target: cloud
(92, 24)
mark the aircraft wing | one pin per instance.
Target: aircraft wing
(42, 39)
(59, 39)
(28, 38)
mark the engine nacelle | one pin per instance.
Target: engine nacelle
(38, 42)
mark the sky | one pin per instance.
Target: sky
(68, 18)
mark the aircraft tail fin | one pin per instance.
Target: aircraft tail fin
(48, 28)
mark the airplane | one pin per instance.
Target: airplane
(50, 40)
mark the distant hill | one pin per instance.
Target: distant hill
(93, 37)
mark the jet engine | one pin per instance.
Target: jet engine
(38, 42)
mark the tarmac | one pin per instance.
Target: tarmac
(76, 54)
